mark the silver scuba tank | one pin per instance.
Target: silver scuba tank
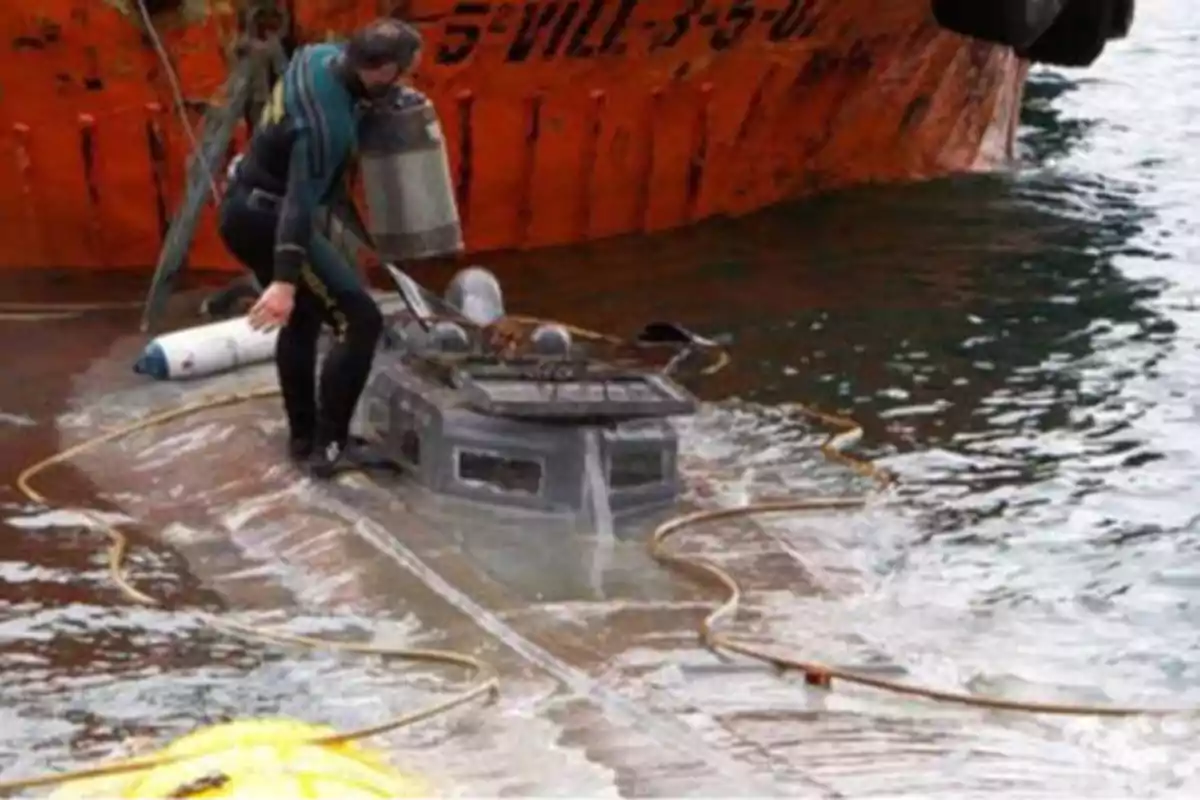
(411, 209)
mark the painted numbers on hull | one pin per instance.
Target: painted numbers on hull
(580, 29)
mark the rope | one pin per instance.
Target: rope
(815, 672)
(176, 88)
(486, 683)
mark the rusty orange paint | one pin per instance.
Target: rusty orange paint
(566, 120)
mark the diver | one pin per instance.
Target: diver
(296, 162)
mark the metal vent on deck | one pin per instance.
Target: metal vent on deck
(583, 395)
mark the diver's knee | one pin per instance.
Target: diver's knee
(231, 216)
(302, 327)
(365, 320)
(227, 230)
(372, 322)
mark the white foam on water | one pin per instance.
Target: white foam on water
(190, 441)
(68, 518)
(17, 420)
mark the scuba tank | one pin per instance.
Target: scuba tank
(411, 209)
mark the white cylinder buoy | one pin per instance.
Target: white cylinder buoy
(205, 350)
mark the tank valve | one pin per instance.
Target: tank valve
(449, 337)
(551, 340)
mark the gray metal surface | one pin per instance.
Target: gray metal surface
(568, 391)
(558, 435)
(455, 450)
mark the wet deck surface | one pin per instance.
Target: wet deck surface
(597, 650)
(1028, 373)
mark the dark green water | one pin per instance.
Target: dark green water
(1024, 350)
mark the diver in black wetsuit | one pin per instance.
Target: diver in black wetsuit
(294, 163)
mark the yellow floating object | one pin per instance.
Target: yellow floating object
(257, 758)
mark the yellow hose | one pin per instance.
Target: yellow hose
(487, 683)
(815, 672)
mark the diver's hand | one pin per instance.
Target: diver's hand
(274, 307)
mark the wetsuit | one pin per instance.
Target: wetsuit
(294, 164)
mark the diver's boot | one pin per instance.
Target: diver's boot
(300, 448)
(355, 454)
(325, 461)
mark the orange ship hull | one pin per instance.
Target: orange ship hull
(566, 120)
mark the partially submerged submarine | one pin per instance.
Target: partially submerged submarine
(474, 403)
(524, 413)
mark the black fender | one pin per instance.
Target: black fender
(1014, 23)
(1123, 14)
(1079, 35)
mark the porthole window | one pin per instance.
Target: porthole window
(410, 441)
(638, 467)
(508, 475)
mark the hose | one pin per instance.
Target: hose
(719, 363)
(844, 431)
(486, 683)
(816, 673)
(486, 680)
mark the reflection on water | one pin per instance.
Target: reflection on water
(1021, 349)
(1050, 136)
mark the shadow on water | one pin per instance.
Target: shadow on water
(1048, 135)
(978, 327)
